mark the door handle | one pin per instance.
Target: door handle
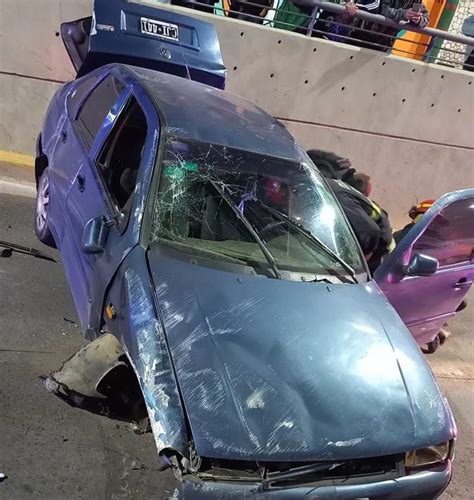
(462, 283)
(81, 183)
(64, 135)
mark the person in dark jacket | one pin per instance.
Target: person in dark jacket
(369, 221)
(253, 12)
(410, 11)
(404, 10)
(468, 30)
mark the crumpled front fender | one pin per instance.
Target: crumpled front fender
(145, 345)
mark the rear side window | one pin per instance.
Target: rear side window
(120, 157)
(450, 236)
(75, 97)
(96, 107)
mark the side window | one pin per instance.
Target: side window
(82, 88)
(120, 157)
(450, 236)
(96, 107)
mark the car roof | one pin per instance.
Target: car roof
(192, 110)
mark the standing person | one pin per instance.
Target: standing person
(368, 220)
(411, 11)
(253, 12)
(468, 30)
(405, 10)
(341, 27)
(358, 36)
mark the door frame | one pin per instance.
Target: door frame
(392, 265)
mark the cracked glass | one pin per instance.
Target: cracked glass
(275, 216)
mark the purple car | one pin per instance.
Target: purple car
(222, 287)
(445, 234)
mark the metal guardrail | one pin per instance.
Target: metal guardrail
(363, 29)
(381, 20)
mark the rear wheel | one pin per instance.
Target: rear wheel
(41, 213)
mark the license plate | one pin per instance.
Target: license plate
(159, 28)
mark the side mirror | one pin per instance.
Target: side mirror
(422, 265)
(95, 235)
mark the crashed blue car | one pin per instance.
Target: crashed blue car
(208, 259)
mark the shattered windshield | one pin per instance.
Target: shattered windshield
(274, 216)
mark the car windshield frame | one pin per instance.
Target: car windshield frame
(200, 253)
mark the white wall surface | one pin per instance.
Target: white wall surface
(408, 124)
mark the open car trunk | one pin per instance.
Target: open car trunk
(133, 33)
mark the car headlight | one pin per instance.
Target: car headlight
(427, 456)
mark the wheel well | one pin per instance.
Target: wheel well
(121, 387)
(41, 160)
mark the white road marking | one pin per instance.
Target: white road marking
(17, 188)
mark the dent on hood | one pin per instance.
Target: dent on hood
(252, 374)
(209, 386)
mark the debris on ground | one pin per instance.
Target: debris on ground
(6, 252)
(70, 321)
(99, 379)
(3, 476)
(7, 248)
(141, 427)
(137, 465)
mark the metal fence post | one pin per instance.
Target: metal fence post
(312, 22)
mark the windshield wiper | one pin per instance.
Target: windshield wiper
(298, 472)
(268, 255)
(313, 238)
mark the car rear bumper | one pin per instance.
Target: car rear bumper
(426, 484)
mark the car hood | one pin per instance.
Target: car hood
(278, 370)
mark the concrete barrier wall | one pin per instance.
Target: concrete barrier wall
(408, 124)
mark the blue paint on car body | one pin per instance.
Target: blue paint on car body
(235, 365)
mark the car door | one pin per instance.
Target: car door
(104, 189)
(68, 153)
(446, 233)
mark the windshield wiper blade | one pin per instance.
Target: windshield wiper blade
(313, 238)
(297, 472)
(268, 255)
(14, 247)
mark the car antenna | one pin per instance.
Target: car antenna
(188, 74)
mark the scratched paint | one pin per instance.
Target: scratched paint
(148, 354)
(243, 351)
(349, 442)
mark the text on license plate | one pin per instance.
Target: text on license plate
(159, 28)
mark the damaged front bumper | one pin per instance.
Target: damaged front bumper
(100, 379)
(426, 484)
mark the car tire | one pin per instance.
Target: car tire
(42, 230)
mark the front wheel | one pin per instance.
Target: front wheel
(41, 213)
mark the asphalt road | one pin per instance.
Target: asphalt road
(50, 450)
